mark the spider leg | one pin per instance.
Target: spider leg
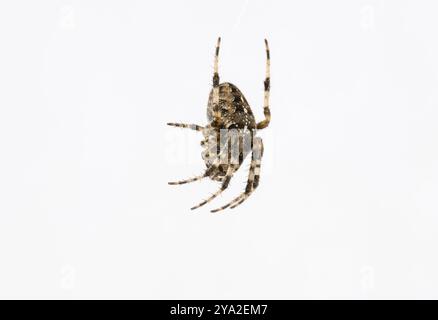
(188, 126)
(228, 204)
(224, 186)
(264, 123)
(256, 178)
(216, 111)
(207, 172)
(239, 199)
(187, 180)
(253, 177)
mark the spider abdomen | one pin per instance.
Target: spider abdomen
(233, 107)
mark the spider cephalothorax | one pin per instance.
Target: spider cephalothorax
(230, 135)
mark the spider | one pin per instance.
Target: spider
(230, 135)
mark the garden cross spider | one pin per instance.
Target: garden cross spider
(230, 135)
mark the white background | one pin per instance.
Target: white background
(346, 206)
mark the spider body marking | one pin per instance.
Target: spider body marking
(230, 135)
